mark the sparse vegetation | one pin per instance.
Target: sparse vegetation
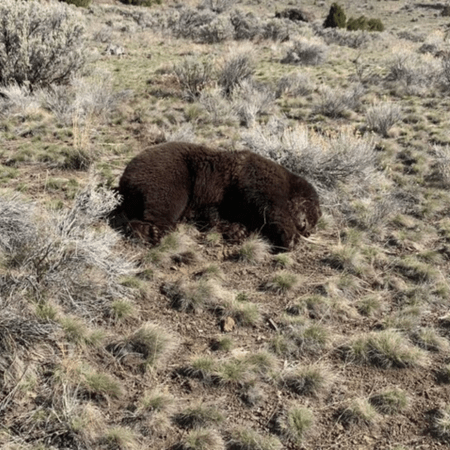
(202, 342)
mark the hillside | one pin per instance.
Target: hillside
(200, 343)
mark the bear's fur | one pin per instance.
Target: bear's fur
(177, 181)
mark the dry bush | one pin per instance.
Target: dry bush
(43, 253)
(345, 38)
(237, 67)
(220, 110)
(294, 84)
(249, 101)
(341, 166)
(193, 75)
(40, 43)
(382, 117)
(335, 103)
(307, 52)
(414, 70)
(246, 26)
(202, 26)
(218, 6)
(16, 100)
(440, 165)
(279, 30)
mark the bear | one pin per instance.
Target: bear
(177, 181)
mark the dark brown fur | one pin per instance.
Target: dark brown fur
(179, 181)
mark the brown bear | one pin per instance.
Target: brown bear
(177, 181)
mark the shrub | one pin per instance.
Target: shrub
(63, 248)
(80, 3)
(362, 23)
(357, 24)
(141, 2)
(218, 6)
(40, 44)
(307, 52)
(235, 70)
(335, 104)
(375, 25)
(246, 26)
(382, 117)
(193, 75)
(336, 17)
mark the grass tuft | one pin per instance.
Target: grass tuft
(386, 349)
(390, 401)
(306, 380)
(254, 250)
(294, 424)
(429, 339)
(151, 342)
(360, 413)
(441, 423)
(199, 416)
(248, 439)
(202, 439)
(283, 282)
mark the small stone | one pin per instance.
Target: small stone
(227, 324)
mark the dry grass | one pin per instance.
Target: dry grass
(104, 341)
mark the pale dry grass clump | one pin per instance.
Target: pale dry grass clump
(193, 296)
(301, 339)
(175, 247)
(254, 250)
(390, 401)
(428, 339)
(199, 415)
(283, 282)
(441, 423)
(294, 424)
(152, 343)
(386, 349)
(248, 439)
(309, 380)
(202, 439)
(440, 165)
(359, 413)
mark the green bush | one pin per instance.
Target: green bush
(81, 3)
(357, 24)
(375, 25)
(40, 44)
(336, 17)
(141, 2)
(362, 23)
